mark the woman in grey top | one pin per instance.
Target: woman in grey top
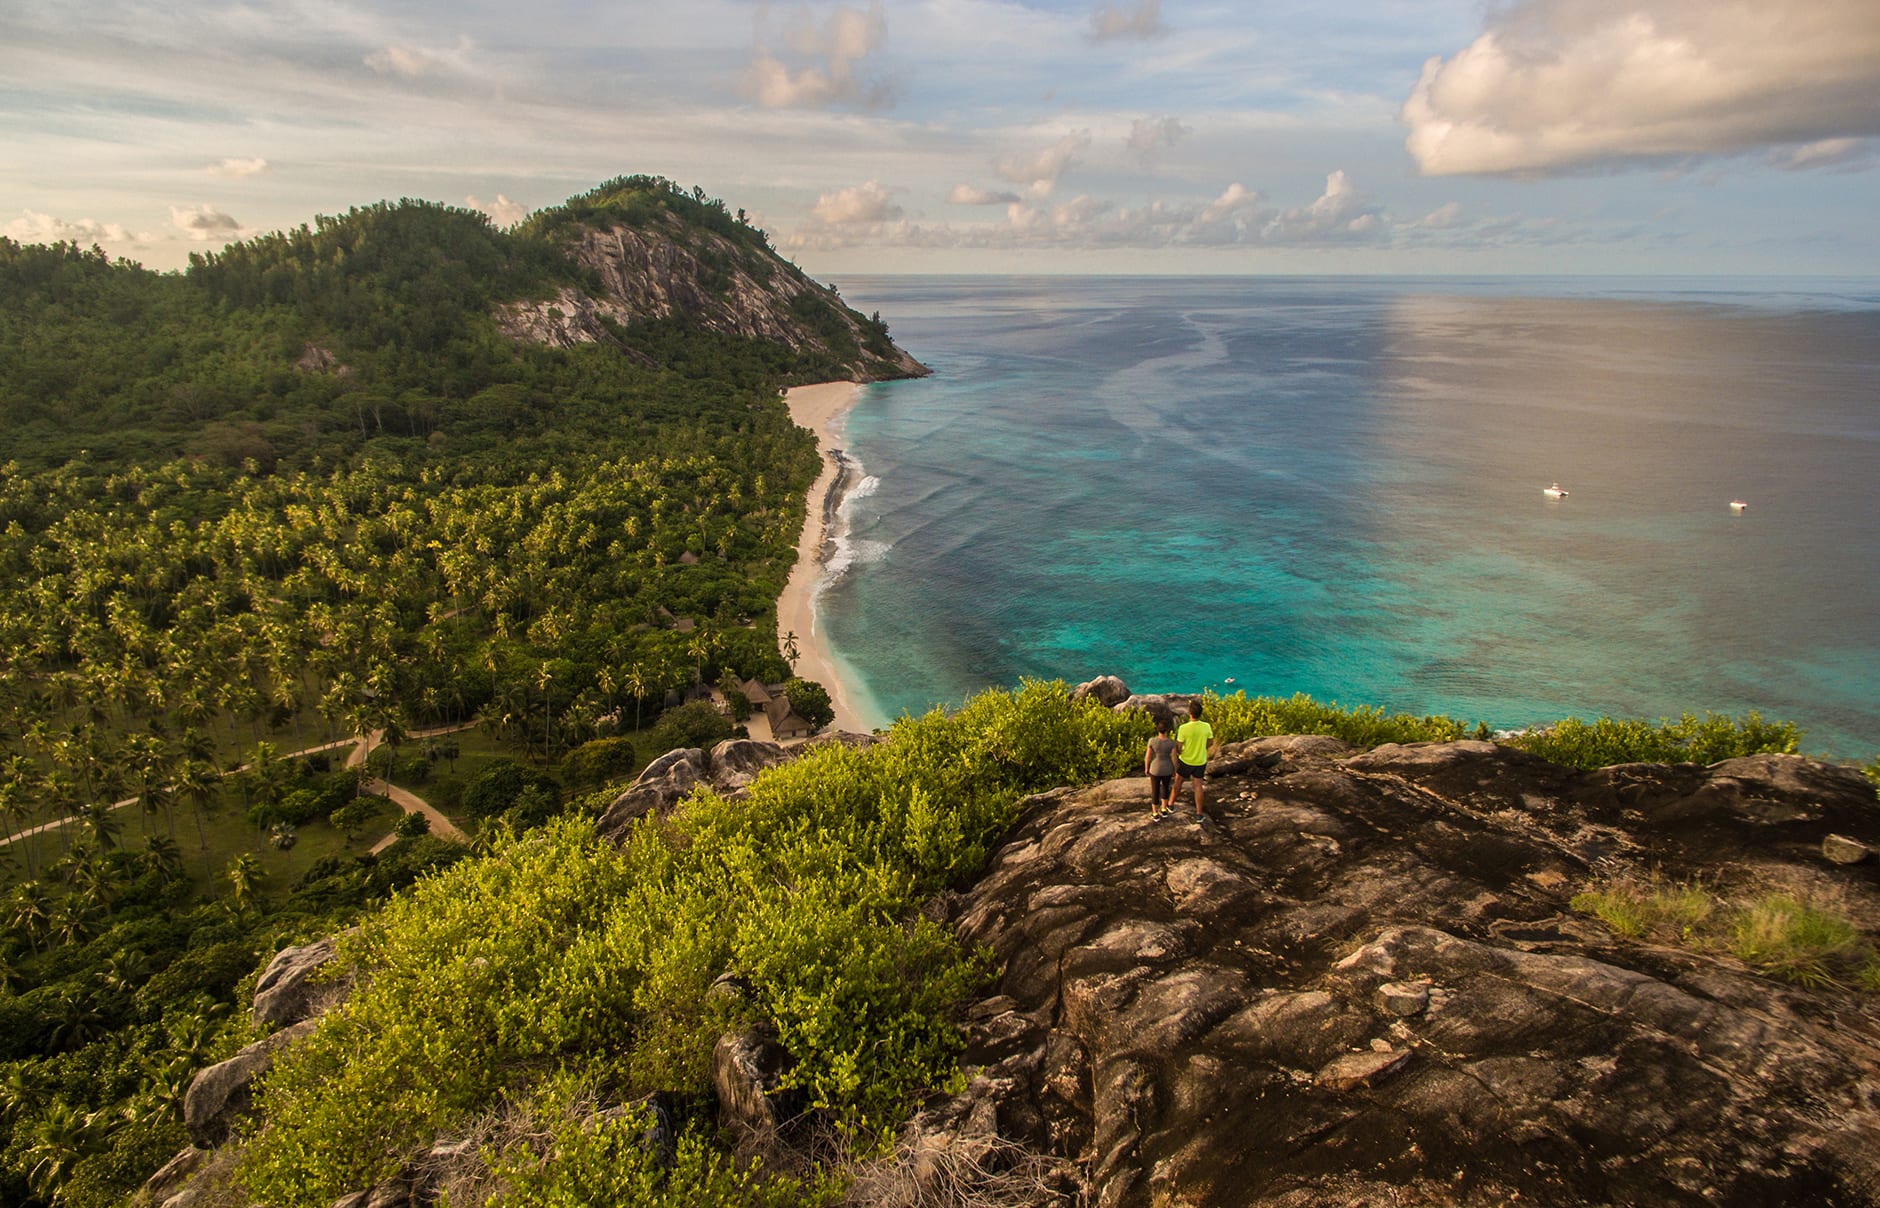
(1158, 764)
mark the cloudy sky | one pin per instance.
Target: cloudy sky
(1245, 136)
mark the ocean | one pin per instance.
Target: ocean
(1335, 486)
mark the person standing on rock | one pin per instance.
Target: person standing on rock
(1196, 738)
(1158, 764)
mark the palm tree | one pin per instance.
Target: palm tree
(635, 682)
(104, 824)
(29, 911)
(244, 877)
(198, 780)
(162, 855)
(59, 1140)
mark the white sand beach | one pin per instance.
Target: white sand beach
(820, 408)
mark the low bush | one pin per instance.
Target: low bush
(1602, 743)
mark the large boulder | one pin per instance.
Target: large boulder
(735, 762)
(288, 992)
(659, 787)
(223, 1093)
(1107, 689)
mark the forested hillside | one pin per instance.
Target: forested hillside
(308, 490)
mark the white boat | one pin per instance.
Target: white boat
(1737, 505)
(1554, 492)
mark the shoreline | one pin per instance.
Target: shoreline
(820, 408)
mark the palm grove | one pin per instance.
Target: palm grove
(309, 490)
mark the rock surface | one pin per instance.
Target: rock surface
(287, 992)
(1366, 985)
(708, 280)
(223, 1093)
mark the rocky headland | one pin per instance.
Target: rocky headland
(704, 279)
(1363, 982)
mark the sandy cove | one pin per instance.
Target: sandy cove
(820, 408)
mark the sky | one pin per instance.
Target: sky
(1638, 137)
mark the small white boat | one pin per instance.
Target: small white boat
(1737, 505)
(1554, 492)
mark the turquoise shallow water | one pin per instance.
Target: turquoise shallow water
(1333, 486)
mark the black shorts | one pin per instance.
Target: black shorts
(1160, 785)
(1194, 771)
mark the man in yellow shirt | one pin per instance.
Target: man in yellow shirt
(1197, 740)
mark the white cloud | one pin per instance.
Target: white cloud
(1340, 215)
(238, 167)
(973, 195)
(828, 55)
(402, 61)
(503, 212)
(1139, 21)
(1560, 85)
(204, 223)
(1041, 169)
(34, 227)
(1148, 135)
(1828, 153)
(1445, 217)
(1238, 216)
(858, 204)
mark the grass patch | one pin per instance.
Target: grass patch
(1783, 936)
(1675, 910)
(1802, 943)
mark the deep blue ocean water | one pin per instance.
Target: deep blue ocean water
(1334, 486)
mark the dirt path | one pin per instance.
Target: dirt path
(356, 757)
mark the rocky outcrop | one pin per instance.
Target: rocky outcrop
(708, 280)
(1362, 982)
(288, 990)
(729, 769)
(223, 1093)
(660, 786)
(747, 1077)
(1108, 690)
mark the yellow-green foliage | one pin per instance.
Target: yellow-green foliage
(1602, 743)
(572, 1156)
(1240, 717)
(1779, 934)
(562, 951)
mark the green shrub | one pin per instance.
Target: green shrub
(810, 701)
(412, 825)
(1607, 741)
(601, 760)
(694, 724)
(576, 1157)
(494, 789)
(1239, 717)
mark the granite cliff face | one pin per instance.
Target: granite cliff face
(1362, 982)
(674, 270)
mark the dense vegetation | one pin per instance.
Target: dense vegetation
(310, 489)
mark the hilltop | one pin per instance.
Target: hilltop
(411, 321)
(1397, 966)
